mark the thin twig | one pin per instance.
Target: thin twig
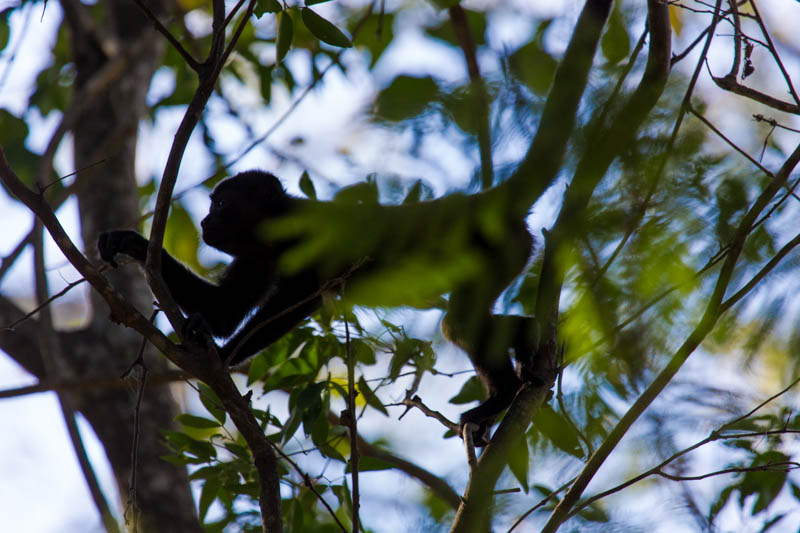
(731, 85)
(352, 423)
(540, 504)
(774, 51)
(570, 499)
(781, 466)
(416, 401)
(44, 304)
(237, 33)
(458, 19)
(191, 61)
(8, 261)
(84, 384)
(309, 484)
(730, 143)
(131, 505)
(9, 60)
(766, 269)
(714, 436)
(469, 446)
(51, 359)
(565, 414)
(437, 485)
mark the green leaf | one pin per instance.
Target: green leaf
(206, 472)
(406, 97)
(208, 495)
(476, 24)
(370, 397)
(363, 352)
(5, 28)
(259, 367)
(418, 192)
(211, 402)
(594, 513)
(265, 81)
(285, 32)
(519, 461)
(329, 451)
(766, 484)
(553, 426)
(370, 464)
(471, 391)
(266, 6)
(307, 186)
(181, 237)
(445, 4)
(532, 64)
(795, 491)
(364, 192)
(13, 132)
(375, 33)
(199, 422)
(324, 30)
(203, 451)
(318, 428)
(239, 450)
(616, 41)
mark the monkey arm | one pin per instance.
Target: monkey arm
(222, 306)
(294, 299)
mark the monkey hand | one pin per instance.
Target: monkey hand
(127, 242)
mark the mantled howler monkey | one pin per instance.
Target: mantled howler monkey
(248, 220)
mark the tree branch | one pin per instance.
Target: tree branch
(122, 311)
(714, 436)
(712, 313)
(191, 61)
(478, 91)
(436, 484)
(53, 359)
(731, 85)
(541, 164)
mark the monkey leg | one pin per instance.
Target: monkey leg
(487, 339)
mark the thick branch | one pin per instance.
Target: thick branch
(238, 407)
(208, 74)
(478, 91)
(122, 311)
(191, 61)
(543, 161)
(712, 313)
(473, 513)
(730, 84)
(607, 143)
(52, 358)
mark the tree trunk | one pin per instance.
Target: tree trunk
(108, 198)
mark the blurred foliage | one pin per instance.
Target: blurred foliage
(636, 281)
